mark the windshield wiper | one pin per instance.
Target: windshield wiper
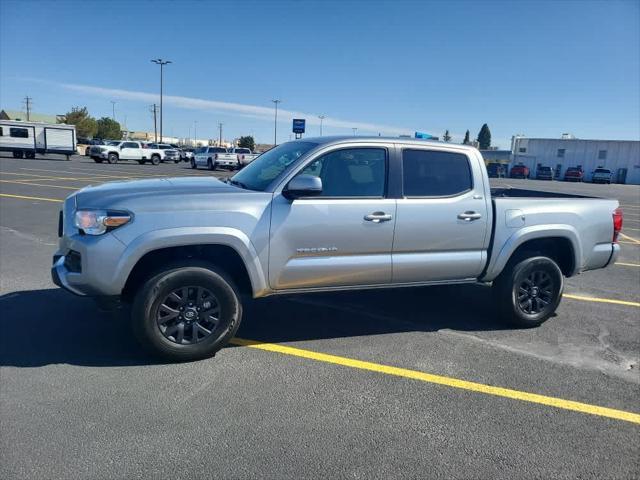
(237, 184)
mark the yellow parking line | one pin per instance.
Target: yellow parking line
(630, 228)
(628, 264)
(93, 174)
(628, 243)
(24, 197)
(634, 240)
(442, 380)
(18, 182)
(601, 300)
(48, 177)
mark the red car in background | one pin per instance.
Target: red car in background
(574, 174)
(519, 171)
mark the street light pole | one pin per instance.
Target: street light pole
(275, 123)
(321, 117)
(113, 110)
(220, 139)
(355, 129)
(162, 63)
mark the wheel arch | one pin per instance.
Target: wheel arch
(231, 251)
(560, 243)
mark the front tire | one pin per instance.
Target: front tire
(112, 158)
(193, 164)
(187, 312)
(155, 159)
(211, 165)
(529, 290)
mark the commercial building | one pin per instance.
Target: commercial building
(622, 157)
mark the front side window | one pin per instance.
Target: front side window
(428, 173)
(561, 152)
(130, 145)
(602, 154)
(351, 172)
(19, 132)
(522, 150)
(259, 174)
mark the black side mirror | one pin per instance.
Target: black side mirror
(303, 186)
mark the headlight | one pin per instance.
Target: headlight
(97, 222)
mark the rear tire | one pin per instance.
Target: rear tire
(141, 162)
(210, 164)
(112, 158)
(187, 312)
(18, 154)
(30, 155)
(97, 160)
(529, 290)
(155, 159)
(193, 164)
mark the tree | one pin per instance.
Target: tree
(247, 142)
(466, 140)
(446, 137)
(484, 137)
(108, 128)
(86, 125)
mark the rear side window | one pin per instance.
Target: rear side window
(1, 132)
(19, 132)
(428, 173)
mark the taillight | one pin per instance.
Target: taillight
(617, 223)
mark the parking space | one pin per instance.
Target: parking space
(406, 383)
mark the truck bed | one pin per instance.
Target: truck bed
(507, 192)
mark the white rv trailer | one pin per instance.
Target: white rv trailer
(25, 139)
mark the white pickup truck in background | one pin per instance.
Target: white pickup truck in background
(115, 151)
(245, 156)
(207, 157)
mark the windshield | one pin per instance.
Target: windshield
(266, 168)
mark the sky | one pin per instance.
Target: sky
(535, 68)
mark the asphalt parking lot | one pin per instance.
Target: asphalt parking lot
(377, 384)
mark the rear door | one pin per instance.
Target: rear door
(342, 236)
(442, 225)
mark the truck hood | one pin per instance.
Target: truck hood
(161, 190)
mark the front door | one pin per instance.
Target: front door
(342, 236)
(442, 225)
(130, 151)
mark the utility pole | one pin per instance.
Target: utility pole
(321, 117)
(113, 110)
(355, 129)
(155, 123)
(275, 123)
(220, 140)
(162, 63)
(195, 133)
(28, 103)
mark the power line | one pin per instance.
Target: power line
(28, 103)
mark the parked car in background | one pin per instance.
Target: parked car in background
(544, 173)
(113, 152)
(601, 175)
(245, 156)
(168, 153)
(227, 159)
(188, 154)
(207, 157)
(186, 252)
(496, 170)
(574, 174)
(520, 171)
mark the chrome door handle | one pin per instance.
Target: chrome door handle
(377, 217)
(469, 216)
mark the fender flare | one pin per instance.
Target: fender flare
(185, 236)
(534, 232)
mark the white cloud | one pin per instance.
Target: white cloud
(253, 111)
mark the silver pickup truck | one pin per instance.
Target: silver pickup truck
(317, 215)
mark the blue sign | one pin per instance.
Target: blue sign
(424, 136)
(298, 125)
